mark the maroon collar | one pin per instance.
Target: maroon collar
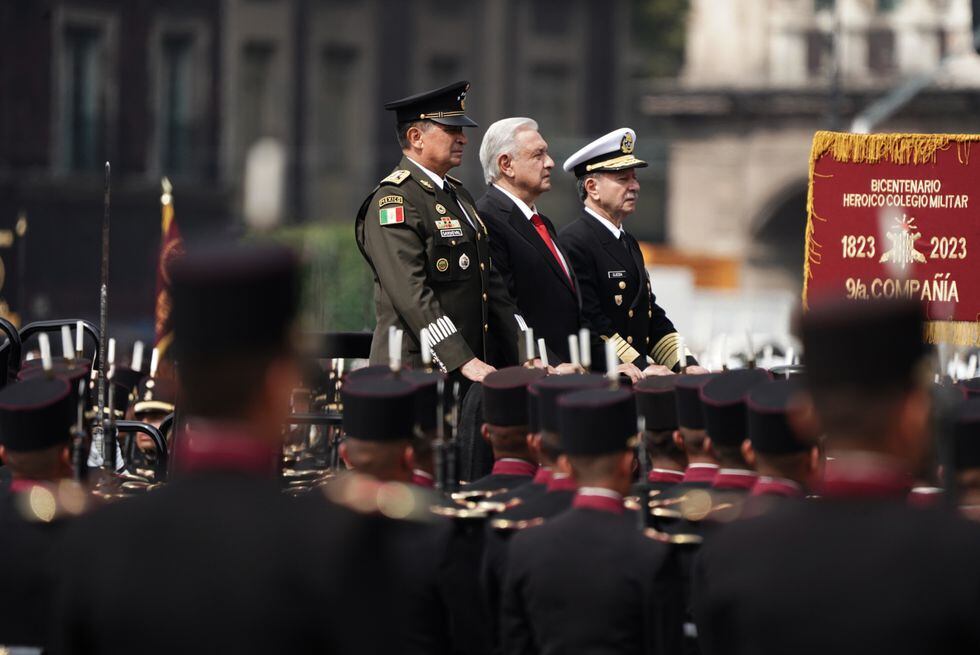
(663, 475)
(509, 466)
(543, 476)
(734, 479)
(864, 477)
(700, 473)
(767, 486)
(925, 496)
(211, 448)
(597, 502)
(423, 479)
(566, 483)
(21, 485)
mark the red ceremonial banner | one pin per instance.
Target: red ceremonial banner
(896, 216)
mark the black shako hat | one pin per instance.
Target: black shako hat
(687, 393)
(444, 105)
(379, 409)
(426, 390)
(505, 395)
(966, 434)
(656, 402)
(36, 414)
(723, 404)
(233, 300)
(545, 394)
(596, 421)
(868, 344)
(767, 406)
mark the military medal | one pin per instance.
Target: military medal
(440, 209)
(464, 261)
(442, 264)
(447, 223)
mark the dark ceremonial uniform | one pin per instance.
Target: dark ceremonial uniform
(430, 255)
(34, 415)
(539, 281)
(846, 573)
(971, 386)
(505, 406)
(618, 303)
(663, 480)
(966, 447)
(433, 582)
(624, 603)
(235, 565)
(526, 509)
(619, 606)
(656, 402)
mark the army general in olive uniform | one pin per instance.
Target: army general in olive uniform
(420, 232)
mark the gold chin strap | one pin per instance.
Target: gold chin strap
(441, 114)
(626, 353)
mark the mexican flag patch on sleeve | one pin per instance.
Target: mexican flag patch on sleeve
(391, 215)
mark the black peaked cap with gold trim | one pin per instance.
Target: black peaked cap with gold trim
(379, 409)
(444, 105)
(505, 395)
(723, 404)
(610, 152)
(596, 421)
(36, 414)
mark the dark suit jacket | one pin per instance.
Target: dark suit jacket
(548, 300)
(588, 582)
(841, 576)
(617, 299)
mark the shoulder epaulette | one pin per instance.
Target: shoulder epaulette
(397, 177)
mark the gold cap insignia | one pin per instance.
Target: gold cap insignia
(442, 264)
(627, 144)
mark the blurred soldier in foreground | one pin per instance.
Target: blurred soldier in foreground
(966, 436)
(420, 232)
(857, 570)
(232, 564)
(618, 303)
(588, 581)
(787, 464)
(35, 432)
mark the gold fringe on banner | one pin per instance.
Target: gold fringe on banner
(957, 333)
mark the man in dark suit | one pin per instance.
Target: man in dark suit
(857, 570)
(523, 243)
(618, 303)
(35, 432)
(588, 581)
(235, 565)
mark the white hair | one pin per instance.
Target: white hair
(500, 139)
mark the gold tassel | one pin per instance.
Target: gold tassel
(957, 333)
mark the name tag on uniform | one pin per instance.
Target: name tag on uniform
(450, 233)
(614, 275)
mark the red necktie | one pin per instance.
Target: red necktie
(543, 233)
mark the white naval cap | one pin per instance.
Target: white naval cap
(611, 152)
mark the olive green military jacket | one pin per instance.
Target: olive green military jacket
(432, 270)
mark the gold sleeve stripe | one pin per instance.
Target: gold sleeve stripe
(626, 353)
(664, 352)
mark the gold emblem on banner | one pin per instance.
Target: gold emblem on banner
(903, 236)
